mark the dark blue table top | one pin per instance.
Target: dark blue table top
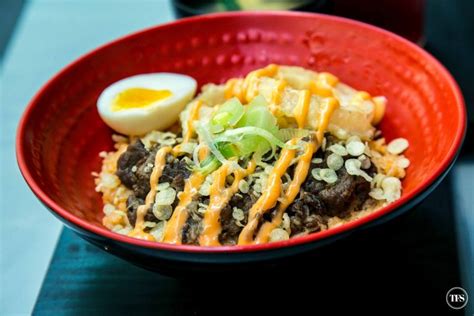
(407, 264)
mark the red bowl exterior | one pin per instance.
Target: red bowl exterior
(60, 134)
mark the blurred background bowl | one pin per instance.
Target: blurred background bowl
(387, 14)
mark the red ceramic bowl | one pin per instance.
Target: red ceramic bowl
(61, 134)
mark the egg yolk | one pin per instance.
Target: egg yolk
(138, 98)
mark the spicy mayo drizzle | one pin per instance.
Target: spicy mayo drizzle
(269, 197)
(301, 172)
(246, 89)
(193, 116)
(174, 228)
(329, 106)
(160, 160)
(250, 84)
(219, 197)
(324, 84)
(301, 110)
(233, 88)
(276, 96)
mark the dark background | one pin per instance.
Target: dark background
(405, 266)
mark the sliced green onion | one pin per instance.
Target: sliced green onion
(209, 165)
(222, 117)
(254, 140)
(196, 155)
(258, 115)
(253, 131)
(258, 101)
(216, 128)
(230, 150)
(207, 138)
(227, 115)
(238, 131)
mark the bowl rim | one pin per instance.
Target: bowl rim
(300, 240)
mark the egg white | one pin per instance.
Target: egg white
(158, 115)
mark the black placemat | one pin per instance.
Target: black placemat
(406, 265)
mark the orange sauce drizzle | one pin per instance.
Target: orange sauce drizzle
(246, 89)
(276, 93)
(160, 161)
(250, 83)
(174, 227)
(300, 112)
(219, 197)
(301, 172)
(379, 109)
(269, 197)
(203, 152)
(276, 96)
(211, 227)
(329, 106)
(324, 84)
(193, 116)
(233, 88)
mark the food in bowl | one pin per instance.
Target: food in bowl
(283, 152)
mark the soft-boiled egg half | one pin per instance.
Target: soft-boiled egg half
(139, 104)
